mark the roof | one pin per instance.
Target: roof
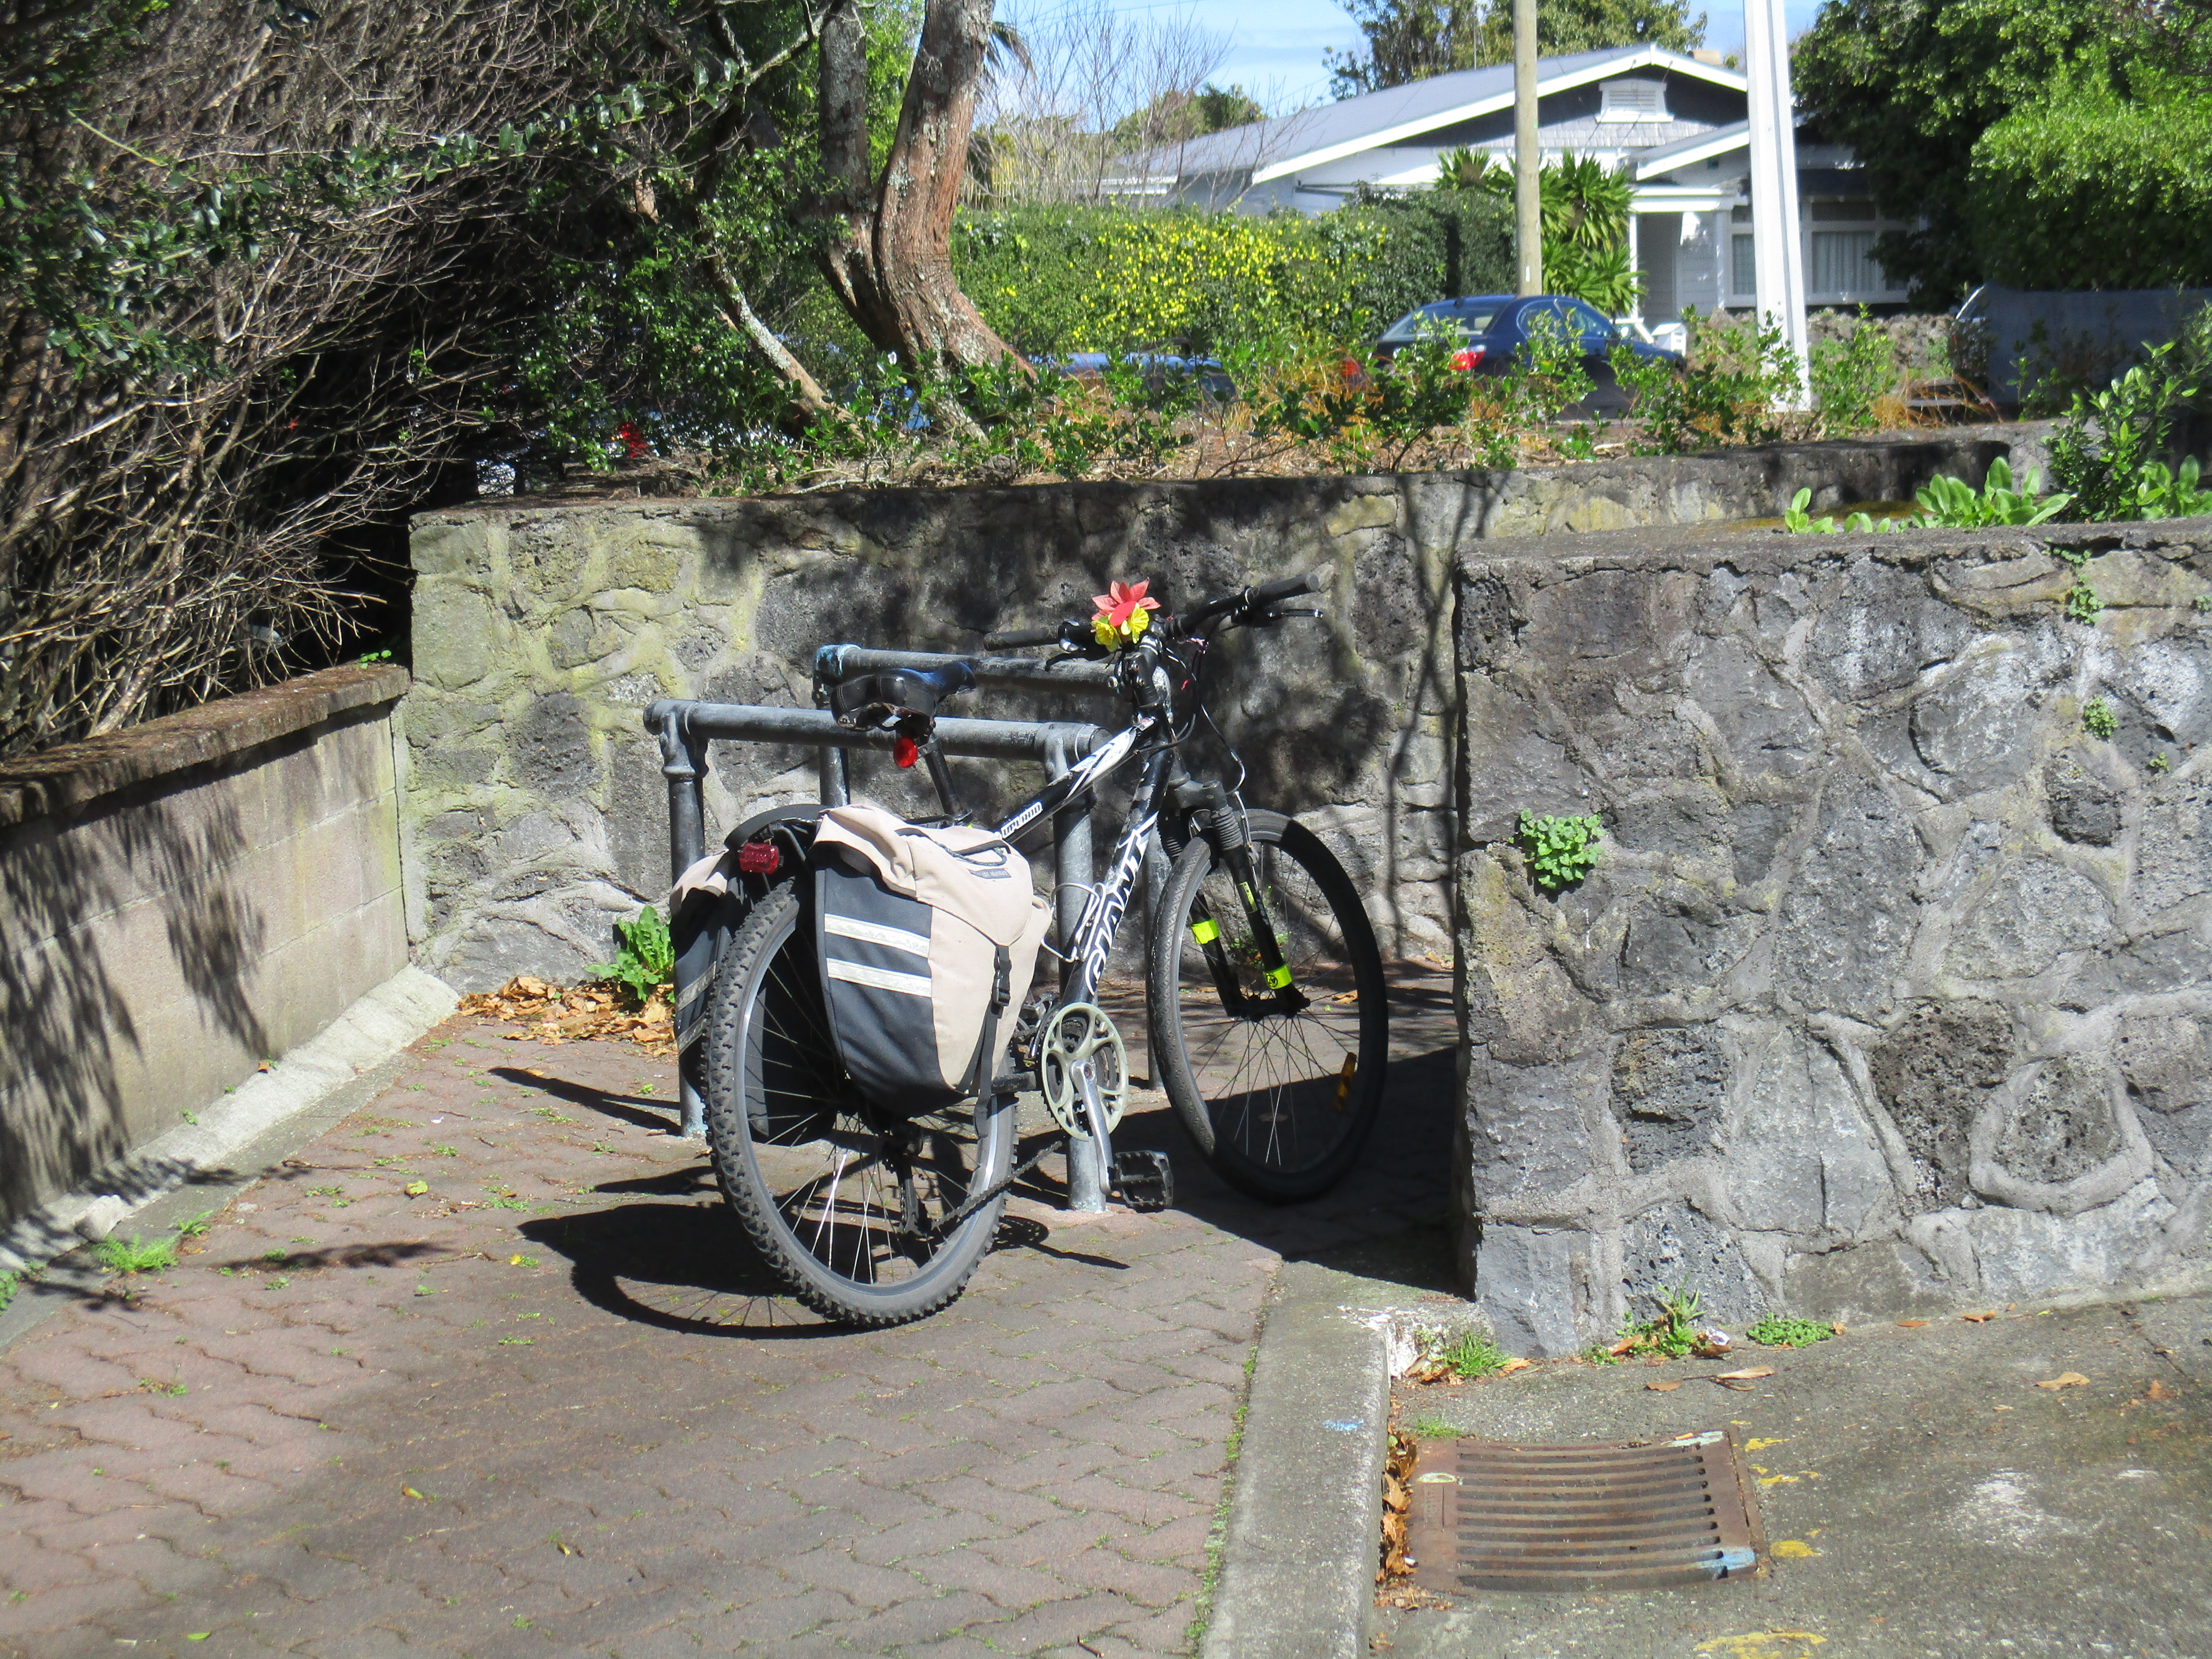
(1273, 149)
(1665, 158)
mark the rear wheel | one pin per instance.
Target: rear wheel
(1279, 1088)
(846, 1204)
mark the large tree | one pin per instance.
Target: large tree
(1911, 85)
(1409, 41)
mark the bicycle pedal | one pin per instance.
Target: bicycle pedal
(1145, 1181)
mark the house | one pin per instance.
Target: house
(1680, 124)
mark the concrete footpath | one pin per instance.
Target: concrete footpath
(475, 1364)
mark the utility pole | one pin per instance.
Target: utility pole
(1777, 254)
(1527, 201)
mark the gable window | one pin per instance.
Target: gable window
(1633, 101)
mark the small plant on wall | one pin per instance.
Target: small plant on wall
(1561, 851)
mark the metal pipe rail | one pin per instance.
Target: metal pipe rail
(685, 729)
(833, 662)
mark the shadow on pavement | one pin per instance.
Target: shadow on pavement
(679, 1267)
(624, 1107)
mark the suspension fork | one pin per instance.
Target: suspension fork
(1221, 825)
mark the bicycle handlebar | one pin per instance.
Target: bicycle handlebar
(1249, 604)
(1018, 638)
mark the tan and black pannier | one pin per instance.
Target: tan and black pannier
(927, 939)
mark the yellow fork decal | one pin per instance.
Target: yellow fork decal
(1344, 1080)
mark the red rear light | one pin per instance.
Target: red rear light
(1467, 357)
(904, 751)
(759, 858)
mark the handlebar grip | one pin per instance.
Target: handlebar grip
(1019, 638)
(1285, 587)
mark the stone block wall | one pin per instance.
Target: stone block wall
(179, 902)
(536, 814)
(1890, 989)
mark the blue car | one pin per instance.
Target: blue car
(1492, 328)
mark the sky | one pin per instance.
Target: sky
(1276, 45)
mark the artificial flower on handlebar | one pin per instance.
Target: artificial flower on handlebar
(1123, 613)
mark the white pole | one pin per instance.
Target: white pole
(1778, 255)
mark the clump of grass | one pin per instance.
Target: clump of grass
(10, 1283)
(1776, 1331)
(1434, 1428)
(136, 1254)
(1472, 1354)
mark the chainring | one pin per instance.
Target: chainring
(1075, 1036)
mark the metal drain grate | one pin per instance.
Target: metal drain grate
(1490, 1516)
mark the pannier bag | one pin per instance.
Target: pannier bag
(927, 939)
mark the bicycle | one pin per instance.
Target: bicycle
(1265, 996)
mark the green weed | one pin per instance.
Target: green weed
(1777, 1331)
(2099, 720)
(645, 956)
(136, 1254)
(1428, 1427)
(1473, 1354)
(1561, 851)
(1673, 1331)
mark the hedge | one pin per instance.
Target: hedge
(2091, 193)
(1055, 280)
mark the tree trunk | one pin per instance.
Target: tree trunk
(935, 325)
(848, 256)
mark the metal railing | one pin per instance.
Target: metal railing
(684, 728)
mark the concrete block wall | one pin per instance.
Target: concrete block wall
(179, 902)
(1892, 988)
(535, 813)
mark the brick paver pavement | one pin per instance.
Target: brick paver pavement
(547, 1406)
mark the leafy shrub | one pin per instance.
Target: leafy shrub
(644, 957)
(1774, 1331)
(1561, 851)
(1740, 374)
(1848, 377)
(2105, 453)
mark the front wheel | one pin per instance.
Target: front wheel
(852, 1208)
(1278, 1086)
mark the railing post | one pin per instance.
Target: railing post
(1072, 875)
(684, 763)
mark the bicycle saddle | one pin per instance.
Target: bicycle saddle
(902, 691)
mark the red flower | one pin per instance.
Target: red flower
(1121, 610)
(635, 447)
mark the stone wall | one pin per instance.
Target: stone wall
(535, 811)
(184, 901)
(1889, 991)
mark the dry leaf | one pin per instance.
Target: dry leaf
(2159, 1391)
(2065, 1380)
(1977, 1319)
(1663, 1388)
(1837, 1326)
(1751, 1372)
(1511, 1366)
(1624, 1345)
(1912, 1324)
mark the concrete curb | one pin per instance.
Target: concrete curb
(1297, 1568)
(369, 1033)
